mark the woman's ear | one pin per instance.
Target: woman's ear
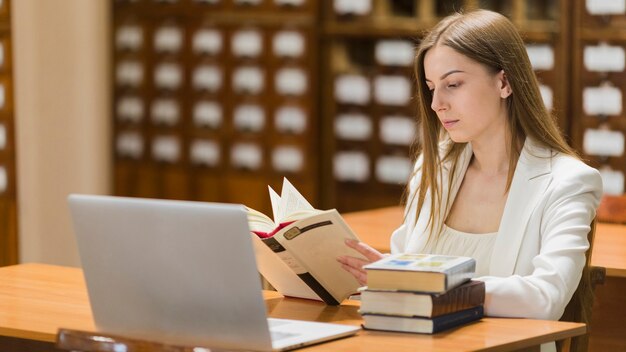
(505, 87)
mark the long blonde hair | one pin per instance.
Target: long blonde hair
(492, 40)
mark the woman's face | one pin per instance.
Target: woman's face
(468, 99)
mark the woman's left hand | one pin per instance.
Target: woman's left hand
(355, 265)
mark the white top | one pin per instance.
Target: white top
(477, 246)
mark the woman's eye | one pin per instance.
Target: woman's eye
(453, 85)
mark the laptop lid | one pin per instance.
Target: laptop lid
(171, 271)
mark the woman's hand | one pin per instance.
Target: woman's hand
(355, 265)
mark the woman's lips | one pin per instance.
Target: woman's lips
(449, 123)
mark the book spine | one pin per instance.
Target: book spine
(460, 298)
(451, 320)
(300, 270)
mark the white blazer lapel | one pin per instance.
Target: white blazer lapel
(526, 190)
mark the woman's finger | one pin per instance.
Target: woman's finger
(363, 248)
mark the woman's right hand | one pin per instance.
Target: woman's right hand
(354, 265)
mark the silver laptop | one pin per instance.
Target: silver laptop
(180, 273)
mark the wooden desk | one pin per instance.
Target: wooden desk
(37, 299)
(375, 227)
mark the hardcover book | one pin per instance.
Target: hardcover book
(296, 252)
(409, 303)
(419, 324)
(419, 272)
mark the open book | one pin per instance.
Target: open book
(296, 252)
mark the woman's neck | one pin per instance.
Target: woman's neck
(491, 157)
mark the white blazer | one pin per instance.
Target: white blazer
(539, 252)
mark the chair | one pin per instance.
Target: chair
(83, 341)
(579, 307)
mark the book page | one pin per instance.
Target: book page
(258, 221)
(275, 201)
(291, 201)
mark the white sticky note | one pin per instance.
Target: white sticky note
(612, 181)
(248, 79)
(129, 73)
(208, 41)
(547, 96)
(603, 142)
(354, 7)
(351, 166)
(395, 52)
(129, 144)
(393, 169)
(397, 130)
(166, 148)
(204, 152)
(168, 39)
(4, 179)
(168, 76)
(606, 7)
(130, 109)
(352, 89)
(129, 37)
(290, 119)
(353, 126)
(246, 156)
(287, 159)
(165, 111)
(392, 90)
(541, 56)
(3, 136)
(288, 44)
(207, 114)
(207, 77)
(291, 81)
(247, 43)
(605, 100)
(604, 58)
(249, 118)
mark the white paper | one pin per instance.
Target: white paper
(247, 43)
(604, 58)
(166, 148)
(603, 142)
(129, 73)
(541, 56)
(207, 77)
(606, 7)
(248, 79)
(249, 117)
(168, 39)
(291, 201)
(287, 159)
(351, 166)
(290, 119)
(356, 7)
(395, 52)
(168, 76)
(547, 96)
(353, 126)
(288, 44)
(3, 136)
(130, 109)
(392, 90)
(352, 89)
(4, 179)
(207, 114)
(165, 111)
(612, 181)
(204, 152)
(397, 130)
(208, 41)
(291, 81)
(129, 144)
(129, 37)
(246, 155)
(605, 100)
(275, 201)
(393, 169)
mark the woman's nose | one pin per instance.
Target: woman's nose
(437, 103)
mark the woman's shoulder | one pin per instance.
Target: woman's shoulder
(564, 167)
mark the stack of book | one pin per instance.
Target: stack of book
(421, 293)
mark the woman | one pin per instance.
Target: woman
(494, 179)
